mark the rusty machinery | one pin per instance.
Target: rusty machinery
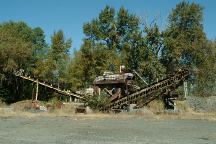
(123, 92)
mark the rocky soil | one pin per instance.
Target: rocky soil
(74, 130)
(201, 104)
(142, 127)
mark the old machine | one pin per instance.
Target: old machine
(122, 90)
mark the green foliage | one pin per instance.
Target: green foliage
(185, 44)
(206, 72)
(150, 66)
(113, 31)
(16, 50)
(98, 102)
(52, 65)
(53, 101)
(60, 46)
(15, 46)
(111, 40)
(57, 59)
(75, 72)
(184, 38)
(114, 38)
(87, 64)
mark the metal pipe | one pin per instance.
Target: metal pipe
(140, 77)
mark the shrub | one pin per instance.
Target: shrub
(97, 102)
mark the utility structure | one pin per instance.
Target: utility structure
(57, 89)
(123, 92)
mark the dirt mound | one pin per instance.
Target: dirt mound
(26, 105)
(20, 105)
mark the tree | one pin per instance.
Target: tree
(58, 56)
(75, 72)
(184, 38)
(15, 52)
(185, 44)
(40, 53)
(206, 72)
(114, 32)
(150, 65)
(21, 47)
(111, 40)
(114, 39)
(88, 63)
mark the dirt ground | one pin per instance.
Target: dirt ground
(105, 130)
(194, 122)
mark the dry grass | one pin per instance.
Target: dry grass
(66, 110)
(96, 116)
(156, 106)
(59, 113)
(21, 105)
(183, 106)
(2, 104)
(189, 115)
(183, 112)
(153, 111)
(63, 113)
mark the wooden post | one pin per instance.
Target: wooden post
(70, 99)
(185, 89)
(36, 96)
(99, 91)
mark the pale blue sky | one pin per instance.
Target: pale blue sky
(69, 15)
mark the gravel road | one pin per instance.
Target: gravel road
(67, 130)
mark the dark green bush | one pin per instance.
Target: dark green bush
(97, 102)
